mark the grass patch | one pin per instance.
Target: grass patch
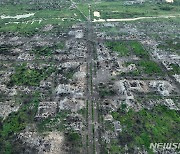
(84, 8)
(43, 51)
(173, 45)
(120, 47)
(124, 48)
(43, 16)
(138, 49)
(29, 77)
(148, 126)
(48, 50)
(115, 149)
(149, 67)
(117, 9)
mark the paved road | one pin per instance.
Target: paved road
(92, 108)
(91, 135)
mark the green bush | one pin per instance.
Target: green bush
(16, 122)
(30, 77)
(176, 69)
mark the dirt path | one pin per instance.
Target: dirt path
(138, 18)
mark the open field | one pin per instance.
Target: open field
(60, 17)
(121, 10)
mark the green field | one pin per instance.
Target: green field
(159, 124)
(120, 47)
(61, 17)
(128, 48)
(117, 9)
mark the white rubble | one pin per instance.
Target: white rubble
(163, 87)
